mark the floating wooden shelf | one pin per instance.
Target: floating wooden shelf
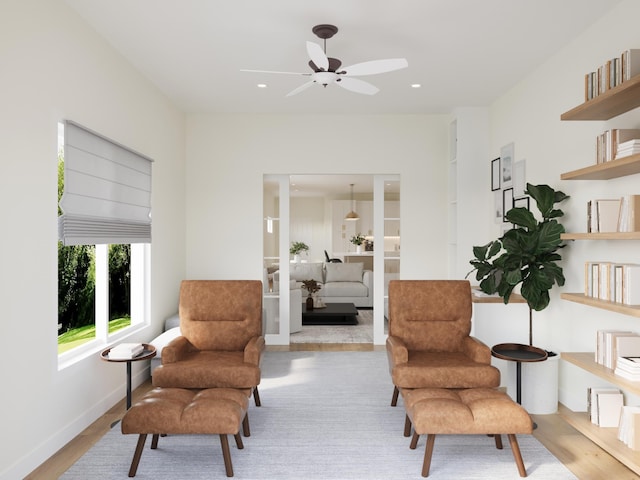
(610, 104)
(604, 171)
(601, 236)
(633, 310)
(478, 297)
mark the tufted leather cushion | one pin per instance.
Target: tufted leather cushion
(469, 411)
(176, 410)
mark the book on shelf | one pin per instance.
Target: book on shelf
(629, 217)
(613, 282)
(626, 149)
(603, 338)
(629, 428)
(615, 143)
(604, 406)
(603, 215)
(611, 73)
(628, 368)
(125, 351)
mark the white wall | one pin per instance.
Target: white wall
(55, 67)
(228, 155)
(529, 116)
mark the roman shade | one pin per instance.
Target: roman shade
(107, 191)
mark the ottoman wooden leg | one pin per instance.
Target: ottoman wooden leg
(394, 398)
(226, 454)
(138, 453)
(414, 441)
(428, 451)
(239, 443)
(515, 448)
(154, 441)
(498, 439)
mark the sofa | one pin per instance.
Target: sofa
(340, 282)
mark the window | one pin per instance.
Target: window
(102, 286)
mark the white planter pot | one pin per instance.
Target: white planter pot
(540, 386)
(358, 248)
(296, 258)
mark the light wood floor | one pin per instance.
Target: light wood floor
(585, 459)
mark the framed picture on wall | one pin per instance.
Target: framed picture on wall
(519, 178)
(522, 202)
(495, 174)
(497, 206)
(506, 165)
(507, 202)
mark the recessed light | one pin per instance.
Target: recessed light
(415, 85)
(262, 85)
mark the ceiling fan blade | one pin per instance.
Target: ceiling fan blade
(317, 56)
(358, 86)
(302, 87)
(269, 71)
(375, 66)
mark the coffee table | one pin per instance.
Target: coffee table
(332, 314)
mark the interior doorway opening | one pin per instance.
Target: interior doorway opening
(313, 210)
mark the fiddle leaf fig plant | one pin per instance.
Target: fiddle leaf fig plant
(527, 254)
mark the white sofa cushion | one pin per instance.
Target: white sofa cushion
(305, 271)
(343, 272)
(344, 289)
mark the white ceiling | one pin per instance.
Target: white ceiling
(463, 52)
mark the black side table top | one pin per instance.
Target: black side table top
(517, 352)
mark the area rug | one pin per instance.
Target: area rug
(360, 333)
(324, 415)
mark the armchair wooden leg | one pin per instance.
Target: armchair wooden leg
(407, 426)
(394, 398)
(154, 441)
(428, 451)
(498, 439)
(226, 454)
(245, 426)
(515, 448)
(256, 396)
(138, 453)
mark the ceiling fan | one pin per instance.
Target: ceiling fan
(328, 70)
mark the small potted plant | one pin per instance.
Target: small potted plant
(358, 239)
(312, 287)
(296, 249)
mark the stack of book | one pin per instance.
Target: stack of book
(614, 282)
(609, 143)
(629, 217)
(605, 406)
(125, 351)
(628, 367)
(612, 73)
(630, 147)
(629, 429)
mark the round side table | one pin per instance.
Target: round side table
(148, 352)
(517, 352)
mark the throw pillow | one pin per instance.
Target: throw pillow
(344, 272)
(305, 271)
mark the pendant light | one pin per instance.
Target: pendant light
(352, 215)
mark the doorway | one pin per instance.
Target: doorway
(311, 209)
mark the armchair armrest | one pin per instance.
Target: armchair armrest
(397, 352)
(253, 350)
(476, 350)
(176, 350)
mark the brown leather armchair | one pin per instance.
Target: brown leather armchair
(221, 343)
(429, 343)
